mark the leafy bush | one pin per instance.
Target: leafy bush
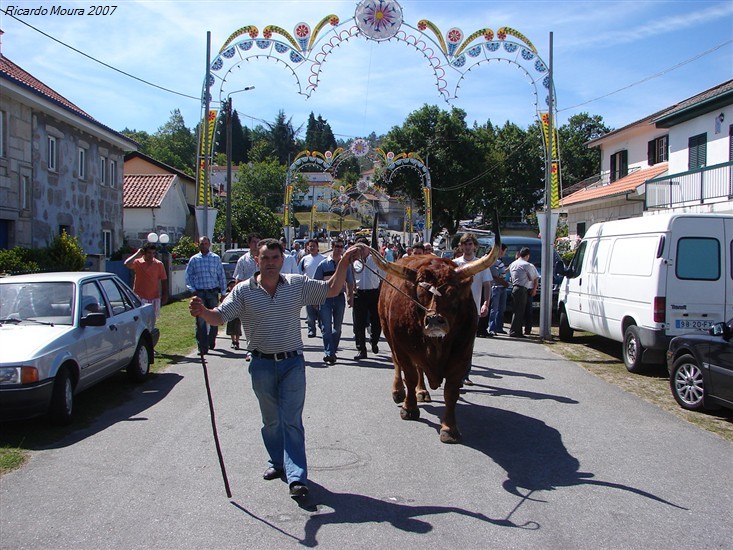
(19, 260)
(124, 251)
(184, 248)
(64, 254)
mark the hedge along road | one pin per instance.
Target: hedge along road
(552, 457)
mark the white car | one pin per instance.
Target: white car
(61, 333)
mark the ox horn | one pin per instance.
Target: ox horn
(400, 271)
(487, 261)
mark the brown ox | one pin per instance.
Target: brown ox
(429, 319)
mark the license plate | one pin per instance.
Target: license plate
(693, 323)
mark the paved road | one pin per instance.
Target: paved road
(553, 458)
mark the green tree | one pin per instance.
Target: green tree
(264, 181)
(174, 144)
(142, 137)
(577, 160)
(443, 140)
(282, 137)
(318, 135)
(248, 215)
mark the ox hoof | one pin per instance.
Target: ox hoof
(398, 396)
(450, 436)
(412, 414)
(424, 397)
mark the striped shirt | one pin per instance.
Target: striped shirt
(205, 272)
(272, 323)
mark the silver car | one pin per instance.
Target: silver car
(61, 333)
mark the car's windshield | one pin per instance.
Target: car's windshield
(48, 302)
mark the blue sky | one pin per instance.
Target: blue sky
(622, 60)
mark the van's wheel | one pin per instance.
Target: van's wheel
(633, 350)
(62, 398)
(565, 332)
(139, 366)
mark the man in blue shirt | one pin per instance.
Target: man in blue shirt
(331, 312)
(206, 279)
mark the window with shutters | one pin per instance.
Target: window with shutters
(658, 150)
(619, 165)
(698, 150)
(113, 173)
(82, 163)
(103, 170)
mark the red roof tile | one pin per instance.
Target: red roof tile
(145, 191)
(12, 72)
(619, 187)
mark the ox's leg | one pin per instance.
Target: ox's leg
(398, 386)
(409, 410)
(449, 432)
(423, 395)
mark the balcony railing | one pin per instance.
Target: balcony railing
(698, 186)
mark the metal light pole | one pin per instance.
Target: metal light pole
(228, 111)
(547, 237)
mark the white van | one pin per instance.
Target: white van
(642, 281)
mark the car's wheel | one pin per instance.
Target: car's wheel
(687, 384)
(633, 350)
(139, 366)
(62, 398)
(565, 332)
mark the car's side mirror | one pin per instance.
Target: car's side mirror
(721, 329)
(93, 320)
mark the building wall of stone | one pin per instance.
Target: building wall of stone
(16, 170)
(86, 206)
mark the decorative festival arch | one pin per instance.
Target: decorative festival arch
(330, 161)
(451, 55)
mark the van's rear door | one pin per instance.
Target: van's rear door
(728, 268)
(698, 283)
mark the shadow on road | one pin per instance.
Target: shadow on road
(109, 402)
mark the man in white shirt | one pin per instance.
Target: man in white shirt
(246, 265)
(481, 281)
(308, 266)
(525, 281)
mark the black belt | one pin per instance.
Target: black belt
(276, 356)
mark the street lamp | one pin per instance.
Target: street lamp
(228, 111)
(163, 239)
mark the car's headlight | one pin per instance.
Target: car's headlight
(18, 375)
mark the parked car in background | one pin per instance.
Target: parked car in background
(701, 368)
(61, 333)
(229, 260)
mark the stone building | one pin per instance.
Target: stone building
(60, 169)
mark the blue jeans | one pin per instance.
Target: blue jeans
(312, 313)
(280, 390)
(331, 315)
(498, 305)
(206, 336)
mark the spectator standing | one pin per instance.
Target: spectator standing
(151, 280)
(365, 304)
(246, 265)
(498, 295)
(481, 283)
(525, 281)
(206, 279)
(331, 312)
(308, 266)
(269, 305)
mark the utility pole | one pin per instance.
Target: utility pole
(228, 111)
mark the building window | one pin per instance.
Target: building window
(52, 154)
(698, 148)
(107, 236)
(3, 124)
(25, 192)
(658, 150)
(103, 170)
(82, 164)
(619, 165)
(580, 229)
(113, 173)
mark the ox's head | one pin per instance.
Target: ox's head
(441, 289)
